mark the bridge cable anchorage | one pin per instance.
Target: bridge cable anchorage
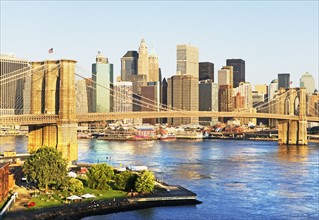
(155, 105)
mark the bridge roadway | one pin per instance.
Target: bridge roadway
(42, 119)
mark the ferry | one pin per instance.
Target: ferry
(168, 137)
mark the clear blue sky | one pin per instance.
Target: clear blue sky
(272, 37)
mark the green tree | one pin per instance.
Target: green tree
(99, 175)
(45, 166)
(145, 182)
(75, 185)
(125, 180)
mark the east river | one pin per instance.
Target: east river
(233, 179)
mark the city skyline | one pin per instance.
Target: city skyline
(269, 36)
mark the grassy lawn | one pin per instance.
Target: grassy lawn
(58, 198)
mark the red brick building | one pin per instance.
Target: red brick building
(4, 181)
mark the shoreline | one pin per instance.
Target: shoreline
(100, 207)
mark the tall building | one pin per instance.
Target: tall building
(225, 81)
(238, 72)
(150, 99)
(182, 93)
(90, 91)
(154, 74)
(164, 97)
(102, 76)
(225, 76)
(283, 80)
(129, 64)
(238, 101)
(187, 60)
(15, 93)
(261, 89)
(273, 88)
(307, 81)
(206, 71)
(245, 90)
(313, 104)
(208, 100)
(81, 96)
(123, 98)
(143, 59)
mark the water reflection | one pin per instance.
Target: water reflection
(293, 153)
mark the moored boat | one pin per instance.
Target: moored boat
(168, 137)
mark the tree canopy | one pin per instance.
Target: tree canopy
(99, 175)
(45, 166)
(145, 182)
(75, 185)
(125, 180)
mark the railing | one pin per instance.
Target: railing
(8, 205)
(91, 117)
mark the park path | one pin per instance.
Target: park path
(18, 209)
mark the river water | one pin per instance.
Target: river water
(233, 179)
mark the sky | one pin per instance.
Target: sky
(271, 36)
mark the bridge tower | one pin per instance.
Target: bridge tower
(289, 131)
(53, 92)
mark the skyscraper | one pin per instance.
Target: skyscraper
(208, 100)
(143, 60)
(81, 96)
(206, 71)
(123, 98)
(153, 75)
(238, 72)
(273, 87)
(15, 94)
(102, 76)
(225, 81)
(150, 99)
(307, 81)
(283, 80)
(129, 64)
(245, 90)
(182, 93)
(187, 60)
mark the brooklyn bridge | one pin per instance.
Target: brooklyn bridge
(53, 119)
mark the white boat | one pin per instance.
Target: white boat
(168, 137)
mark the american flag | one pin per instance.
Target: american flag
(51, 50)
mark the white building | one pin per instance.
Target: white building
(245, 90)
(307, 81)
(273, 87)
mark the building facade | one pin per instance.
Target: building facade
(129, 64)
(154, 74)
(225, 90)
(150, 100)
(15, 92)
(182, 94)
(143, 59)
(307, 81)
(208, 100)
(245, 90)
(81, 96)
(102, 76)
(238, 101)
(273, 88)
(206, 71)
(238, 71)
(4, 181)
(187, 60)
(283, 80)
